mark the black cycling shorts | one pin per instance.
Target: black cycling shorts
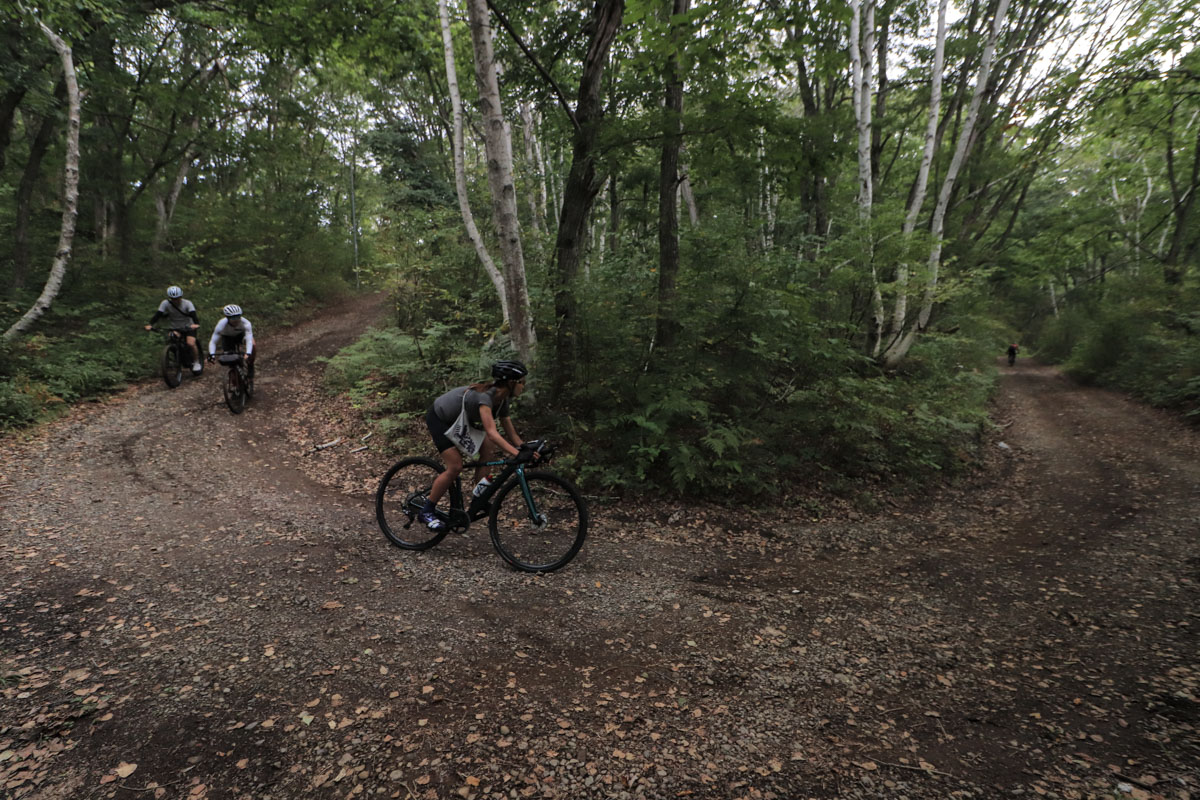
(437, 430)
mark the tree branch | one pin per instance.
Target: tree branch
(558, 92)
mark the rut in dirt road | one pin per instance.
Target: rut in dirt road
(195, 605)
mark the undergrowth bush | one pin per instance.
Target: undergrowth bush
(758, 393)
(1132, 338)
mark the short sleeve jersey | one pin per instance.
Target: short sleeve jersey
(450, 405)
(180, 318)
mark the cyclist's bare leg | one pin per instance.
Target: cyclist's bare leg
(486, 453)
(454, 465)
(191, 343)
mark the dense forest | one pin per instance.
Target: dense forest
(744, 244)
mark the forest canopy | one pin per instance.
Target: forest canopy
(743, 244)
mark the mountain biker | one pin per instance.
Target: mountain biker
(1013, 349)
(183, 318)
(484, 403)
(231, 331)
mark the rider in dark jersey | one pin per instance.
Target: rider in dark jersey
(485, 404)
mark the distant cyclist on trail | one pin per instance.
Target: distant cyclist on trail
(1012, 354)
(231, 332)
(183, 318)
(482, 404)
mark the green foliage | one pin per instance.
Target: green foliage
(1139, 345)
(393, 373)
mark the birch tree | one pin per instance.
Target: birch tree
(862, 48)
(66, 236)
(498, 145)
(917, 201)
(898, 348)
(460, 171)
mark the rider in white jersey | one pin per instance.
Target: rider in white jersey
(231, 331)
(181, 314)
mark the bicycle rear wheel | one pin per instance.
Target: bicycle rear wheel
(235, 391)
(543, 531)
(172, 366)
(401, 497)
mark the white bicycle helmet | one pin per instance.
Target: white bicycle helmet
(232, 311)
(174, 291)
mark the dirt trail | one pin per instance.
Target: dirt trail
(1030, 633)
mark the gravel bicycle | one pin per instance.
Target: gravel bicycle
(176, 356)
(239, 385)
(537, 520)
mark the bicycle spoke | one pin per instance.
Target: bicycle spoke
(541, 530)
(401, 497)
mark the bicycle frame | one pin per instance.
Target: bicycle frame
(461, 516)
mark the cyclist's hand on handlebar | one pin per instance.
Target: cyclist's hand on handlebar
(211, 359)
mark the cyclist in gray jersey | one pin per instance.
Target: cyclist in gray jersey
(182, 317)
(485, 404)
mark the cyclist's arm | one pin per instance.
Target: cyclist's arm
(158, 314)
(249, 336)
(489, 427)
(195, 316)
(511, 430)
(216, 337)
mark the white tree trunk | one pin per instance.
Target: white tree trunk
(900, 311)
(498, 144)
(66, 235)
(862, 49)
(689, 197)
(537, 198)
(966, 137)
(460, 171)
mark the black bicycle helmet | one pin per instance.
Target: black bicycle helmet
(509, 370)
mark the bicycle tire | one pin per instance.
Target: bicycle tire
(532, 546)
(172, 366)
(401, 496)
(235, 394)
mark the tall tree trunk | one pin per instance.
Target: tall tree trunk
(29, 180)
(66, 235)
(583, 183)
(862, 50)
(498, 144)
(917, 198)
(460, 171)
(537, 197)
(614, 212)
(667, 326)
(689, 196)
(900, 348)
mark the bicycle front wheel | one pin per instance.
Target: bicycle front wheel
(172, 366)
(541, 530)
(235, 392)
(401, 497)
